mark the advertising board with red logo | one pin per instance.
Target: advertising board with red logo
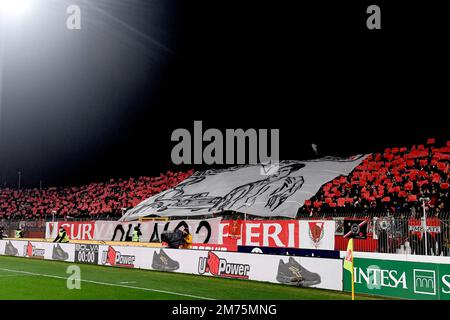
(38, 250)
(33, 250)
(220, 267)
(125, 256)
(75, 230)
(296, 271)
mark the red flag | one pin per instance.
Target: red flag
(341, 202)
(421, 183)
(235, 229)
(436, 178)
(317, 204)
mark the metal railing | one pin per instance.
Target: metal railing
(397, 233)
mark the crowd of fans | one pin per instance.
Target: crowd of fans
(87, 201)
(390, 182)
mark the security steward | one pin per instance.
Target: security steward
(136, 234)
(62, 236)
(19, 233)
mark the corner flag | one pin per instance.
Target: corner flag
(348, 264)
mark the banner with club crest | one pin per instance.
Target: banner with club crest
(317, 234)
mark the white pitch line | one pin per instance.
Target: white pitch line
(109, 284)
(11, 275)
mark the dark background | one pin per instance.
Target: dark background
(102, 102)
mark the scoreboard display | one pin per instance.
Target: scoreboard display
(86, 253)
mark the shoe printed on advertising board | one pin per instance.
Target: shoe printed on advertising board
(163, 262)
(59, 253)
(293, 273)
(10, 250)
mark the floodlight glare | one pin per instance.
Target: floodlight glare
(14, 7)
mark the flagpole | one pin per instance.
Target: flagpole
(353, 283)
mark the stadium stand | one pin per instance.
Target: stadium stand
(390, 182)
(87, 201)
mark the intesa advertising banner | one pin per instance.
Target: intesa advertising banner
(304, 234)
(401, 279)
(203, 231)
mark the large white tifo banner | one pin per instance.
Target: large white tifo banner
(273, 190)
(203, 231)
(323, 273)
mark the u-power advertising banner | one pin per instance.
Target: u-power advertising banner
(401, 279)
(316, 272)
(38, 250)
(313, 234)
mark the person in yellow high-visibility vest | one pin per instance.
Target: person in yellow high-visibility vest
(19, 233)
(62, 236)
(136, 234)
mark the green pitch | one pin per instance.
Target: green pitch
(22, 278)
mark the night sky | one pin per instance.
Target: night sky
(102, 102)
